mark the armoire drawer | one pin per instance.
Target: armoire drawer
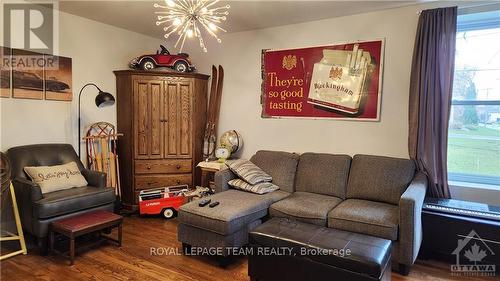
(145, 182)
(174, 166)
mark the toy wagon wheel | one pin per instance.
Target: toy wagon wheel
(168, 213)
(181, 66)
(147, 64)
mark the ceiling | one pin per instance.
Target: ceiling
(139, 16)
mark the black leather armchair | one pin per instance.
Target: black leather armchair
(38, 210)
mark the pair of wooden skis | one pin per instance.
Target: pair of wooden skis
(210, 136)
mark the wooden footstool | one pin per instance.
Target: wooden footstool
(83, 224)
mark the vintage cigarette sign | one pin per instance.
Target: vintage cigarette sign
(338, 81)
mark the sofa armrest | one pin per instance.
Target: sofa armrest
(410, 219)
(221, 178)
(95, 178)
(27, 192)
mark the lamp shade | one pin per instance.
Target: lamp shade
(104, 99)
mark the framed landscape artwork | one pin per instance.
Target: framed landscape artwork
(5, 73)
(340, 81)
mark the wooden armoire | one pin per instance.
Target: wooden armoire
(162, 116)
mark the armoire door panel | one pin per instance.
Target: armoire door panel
(148, 127)
(185, 120)
(141, 130)
(171, 126)
(156, 120)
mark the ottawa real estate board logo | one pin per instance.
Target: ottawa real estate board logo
(470, 252)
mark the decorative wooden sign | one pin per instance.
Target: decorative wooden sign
(27, 75)
(341, 81)
(58, 79)
(5, 73)
(30, 75)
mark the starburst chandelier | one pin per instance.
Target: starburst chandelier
(184, 17)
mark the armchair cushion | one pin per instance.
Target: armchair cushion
(305, 206)
(95, 178)
(57, 177)
(41, 155)
(72, 200)
(367, 217)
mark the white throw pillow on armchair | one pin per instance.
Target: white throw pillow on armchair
(58, 177)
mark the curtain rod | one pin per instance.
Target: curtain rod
(472, 7)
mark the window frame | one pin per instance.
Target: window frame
(465, 177)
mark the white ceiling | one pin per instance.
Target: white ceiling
(139, 16)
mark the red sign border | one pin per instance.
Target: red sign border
(379, 90)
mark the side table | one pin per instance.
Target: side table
(208, 170)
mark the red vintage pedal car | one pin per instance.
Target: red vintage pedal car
(165, 201)
(163, 58)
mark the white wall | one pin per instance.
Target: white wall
(96, 49)
(240, 54)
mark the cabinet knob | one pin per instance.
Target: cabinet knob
(178, 182)
(148, 167)
(178, 166)
(163, 120)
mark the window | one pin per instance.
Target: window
(474, 129)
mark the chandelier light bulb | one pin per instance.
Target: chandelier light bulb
(170, 3)
(212, 26)
(187, 19)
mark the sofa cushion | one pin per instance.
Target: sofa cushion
(323, 174)
(306, 207)
(72, 200)
(236, 210)
(248, 171)
(281, 166)
(379, 178)
(368, 217)
(260, 188)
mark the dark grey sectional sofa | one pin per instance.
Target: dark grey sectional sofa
(374, 195)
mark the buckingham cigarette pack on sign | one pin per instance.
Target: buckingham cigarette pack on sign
(340, 80)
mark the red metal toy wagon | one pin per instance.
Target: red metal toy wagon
(165, 200)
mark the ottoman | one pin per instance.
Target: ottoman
(284, 249)
(226, 225)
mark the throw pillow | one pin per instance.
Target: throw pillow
(248, 171)
(54, 178)
(260, 188)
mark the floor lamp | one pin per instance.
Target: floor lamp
(102, 99)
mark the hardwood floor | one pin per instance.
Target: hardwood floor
(133, 261)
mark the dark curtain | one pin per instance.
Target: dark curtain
(430, 95)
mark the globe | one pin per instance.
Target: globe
(232, 140)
